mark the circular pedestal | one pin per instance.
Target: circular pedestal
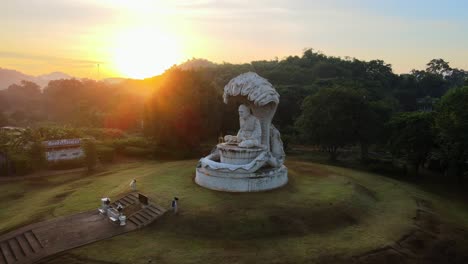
(232, 154)
(262, 180)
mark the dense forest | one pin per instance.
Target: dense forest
(330, 103)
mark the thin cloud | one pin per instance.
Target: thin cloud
(49, 59)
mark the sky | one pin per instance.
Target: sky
(142, 38)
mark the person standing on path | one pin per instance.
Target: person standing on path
(133, 185)
(174, 205)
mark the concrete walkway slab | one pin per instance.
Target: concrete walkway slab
(36, 241)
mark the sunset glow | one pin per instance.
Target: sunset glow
(140, 39)
(144, 52)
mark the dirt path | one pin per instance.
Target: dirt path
(431, 241)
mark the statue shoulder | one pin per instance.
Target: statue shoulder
(253, 118)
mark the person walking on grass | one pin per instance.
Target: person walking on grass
(174, 205)
(133, 185)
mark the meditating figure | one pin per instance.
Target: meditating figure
(250, 132)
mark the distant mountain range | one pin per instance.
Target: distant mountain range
(9, 77)
(54, 76)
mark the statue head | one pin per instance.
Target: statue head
(244, 111)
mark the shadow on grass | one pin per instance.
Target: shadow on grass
(271, 223)
(243, 220)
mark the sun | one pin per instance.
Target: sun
(144, 52)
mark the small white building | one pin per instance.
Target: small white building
(63, 149)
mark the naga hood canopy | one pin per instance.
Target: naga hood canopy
(258, 90)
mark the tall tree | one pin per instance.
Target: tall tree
(89, 147)
(370, 126)
(25, 97)
(452, 124)
(3, 120)
(178, 110)
(330, 119)
(438, 67)
(411, 138)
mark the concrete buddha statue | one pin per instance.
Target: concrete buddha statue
(250, 132)
(252, 160)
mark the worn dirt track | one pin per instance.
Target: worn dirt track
(431, 241)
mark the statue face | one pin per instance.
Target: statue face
(243, 111)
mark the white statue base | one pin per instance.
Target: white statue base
(262, 180)
(232, 154)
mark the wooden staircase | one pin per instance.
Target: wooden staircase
(127, 200)
(34, 242)
(20, 249)
(142, 217)
(146, 215)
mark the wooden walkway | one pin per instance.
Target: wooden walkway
(34, 242)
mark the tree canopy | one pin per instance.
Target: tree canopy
(411, 137)
(332, 117)
(451, 121)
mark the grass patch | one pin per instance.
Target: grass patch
(324, 211)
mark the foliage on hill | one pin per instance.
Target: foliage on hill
(452, 124)
(411, 137)
(182, 108)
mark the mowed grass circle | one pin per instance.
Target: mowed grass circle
(323, 211)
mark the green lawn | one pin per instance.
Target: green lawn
(323, 212)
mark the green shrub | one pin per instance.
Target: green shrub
(139, 142)
(22, 163)
(3, 169)
(103, 133)
(36, 154)
(383, 167)
(132, 146)
(66, 164)
(29, 160)
(54, 132)
(286, 138)
(137, 152)
(89, 147)
(105, 153)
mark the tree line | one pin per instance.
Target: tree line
(329, 102)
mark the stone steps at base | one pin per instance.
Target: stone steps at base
(33, 241)
(146, 215)
(19, 248)
(8, 252)
(7, 255)
(126, 200)
(156, 209)
(139, 218)
(15, 247)
(133, 222)
(25, 244)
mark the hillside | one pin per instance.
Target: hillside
(9, 77)
(194, 64)
(325, 214)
